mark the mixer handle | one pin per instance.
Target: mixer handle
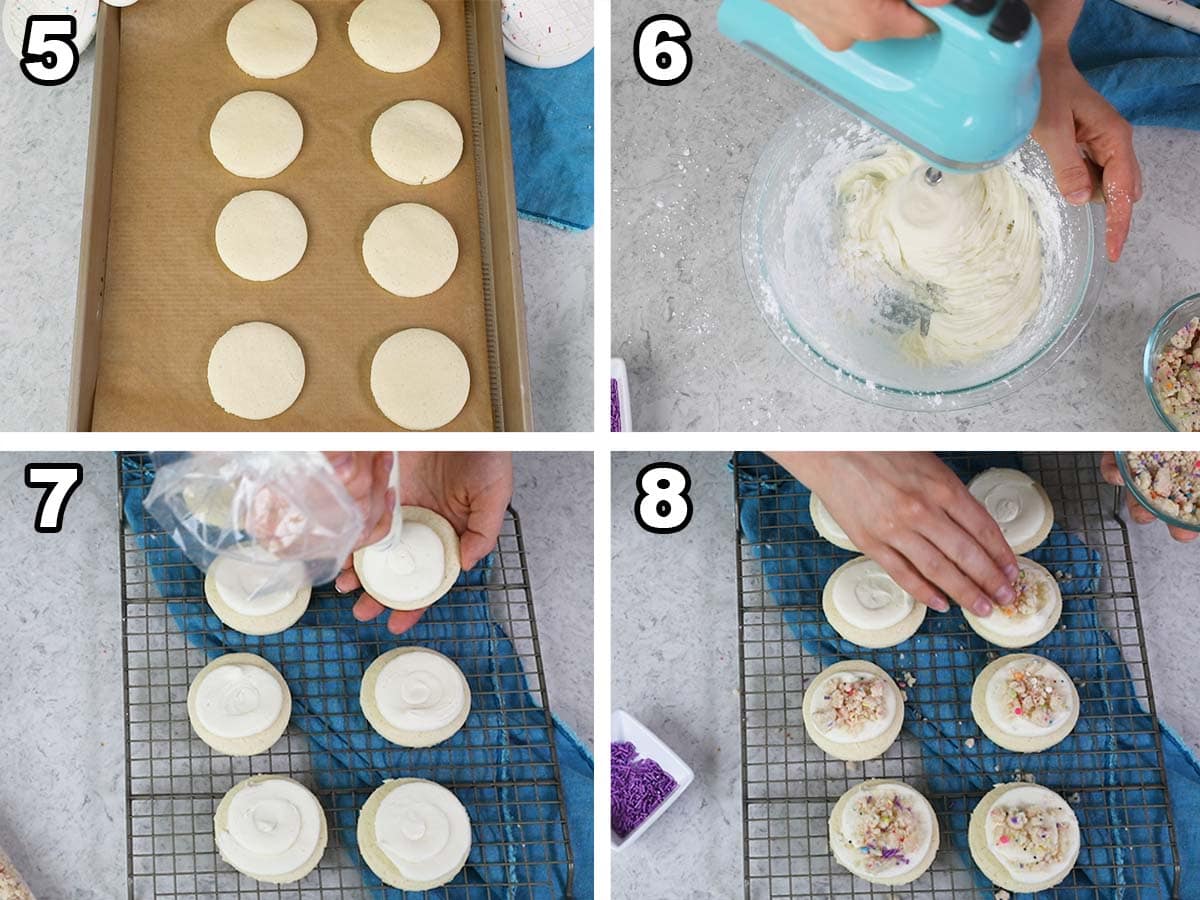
(1012, 22)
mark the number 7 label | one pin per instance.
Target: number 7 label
(60, 480)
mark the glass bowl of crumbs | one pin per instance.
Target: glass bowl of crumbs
(1166, 483)
(1171, 366)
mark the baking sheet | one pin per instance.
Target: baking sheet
(167, 295)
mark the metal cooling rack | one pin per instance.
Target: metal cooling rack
(789, 785)
(174, 781)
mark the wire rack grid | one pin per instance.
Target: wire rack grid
(174, 781)
(790, 784)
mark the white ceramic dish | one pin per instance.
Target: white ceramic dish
(649, 746)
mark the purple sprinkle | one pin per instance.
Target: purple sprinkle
(615, 414)
(639, 787)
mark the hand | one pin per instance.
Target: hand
(839, 24)
(472, 490)
(365, 477)
(1139, 513)
(911, 514)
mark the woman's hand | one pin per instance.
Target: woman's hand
(471, 490)
(839, 24)
(365, 477)
(910, 513)
(1139, 513)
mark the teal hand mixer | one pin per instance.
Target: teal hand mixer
(963, 98)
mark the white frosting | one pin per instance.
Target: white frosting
(412, 569)
(968, 247)
(420, 691)
(1013, 500)
(424, 830)
(869, 730)
(827, 525)
(997, 705)
(273, 828)
(867, 597)
(236, 701)
(1006, 622)
(847, 851)
(254, 582)
(1022, 865)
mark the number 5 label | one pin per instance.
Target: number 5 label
(60, 480)
(663, 505)
(49, 55)
(660, 51)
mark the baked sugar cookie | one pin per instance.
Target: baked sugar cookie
(418, 569)
(256, 135)
(1025, 703)
(255, 371)
(239, 704)
(255, 592)
(415, 697)
(827, 527)
(417, 142)
(395, 35)
(271, 38)
(1030, 617)
(271, 828)
(1019, 505)
(884, 832)
(1024, 837)
(865, 606)
(410, 250)
(853, 710)
(261, 236)
(420, 379)
(414, 834)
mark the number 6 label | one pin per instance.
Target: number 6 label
(49, 55)
(663, 505)
(660, 51)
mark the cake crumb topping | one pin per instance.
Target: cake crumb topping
(851, 705)
(1038, 699)
(887, 831)
(1035, 833)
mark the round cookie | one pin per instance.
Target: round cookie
(253, 592)
(909, 837)
(271, 828)
(261, 236)
(827, 527)
(255, 371)
(417, 142)
(395, 35)
(256, 135)
(1007, 840)
(420, 379)
(1030, 617)
(410, 250)
(415, 697)
(419, 569)
(1025, 702)
(853, 710)
(271, 38)
(1020, 506)
(239, 704)
(866, 607)
(414, 834)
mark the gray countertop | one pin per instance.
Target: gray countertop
(43, 156)
(62, 792)
(675, 667)
(700, 356)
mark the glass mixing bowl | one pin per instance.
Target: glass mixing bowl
(1174, 319)
(1140, 496)
(851, 339)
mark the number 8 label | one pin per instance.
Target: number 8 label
(663, 505)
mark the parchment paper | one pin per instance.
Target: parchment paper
(168, 297)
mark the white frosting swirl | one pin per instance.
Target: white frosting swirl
(1034, 608)
(254, 582)
(420, 691)
(411, 570)
(273, 828)
(1011, 498)
(997, 699)
(1050, 825)
(867, 597)
(854, 824)
(424, 830)
(237, 701)
(870, 728)
(827, 525)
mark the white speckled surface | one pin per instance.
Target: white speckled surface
(700, 356)
(62, 758)
(675, 667)
(43, 156)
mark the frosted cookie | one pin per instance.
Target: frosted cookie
(395, 35)
(827, 527)
(415, 697)
(884, 832)
(417, 142)
(261, 236)
(865, 606)
(410, 250)
(255, 592)
(1019, 505)
(1024, 837)
(418, 569)
(271, 828)
(1030, 617)
(414, 834)
(420, 379)
(256, 135)
(255, 371)
(853, 710)
(1025, 702)
(271, 38)
(239, 704)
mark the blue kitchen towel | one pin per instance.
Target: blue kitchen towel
(322, 658)
(1148, 70)
(1110, 758)
(553, 137)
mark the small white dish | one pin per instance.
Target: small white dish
(627, 728)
